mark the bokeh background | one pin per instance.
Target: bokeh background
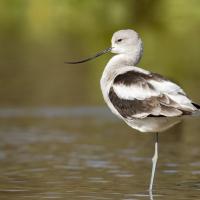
(57, 138)
(37, 36)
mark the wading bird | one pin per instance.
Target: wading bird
(146, 101)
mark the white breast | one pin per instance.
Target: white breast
(105, 88)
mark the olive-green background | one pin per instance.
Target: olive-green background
(37, 36)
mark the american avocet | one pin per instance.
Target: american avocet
(146, 101)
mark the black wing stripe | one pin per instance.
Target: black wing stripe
(196, 105)
(133, 77)
(128, 108)
(161, 105)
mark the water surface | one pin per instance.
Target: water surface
(86, 153)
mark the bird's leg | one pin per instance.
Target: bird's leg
(154, 162)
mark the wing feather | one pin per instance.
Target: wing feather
(137, 94)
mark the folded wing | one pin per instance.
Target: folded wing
(137, 95)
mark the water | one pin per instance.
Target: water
(86, 153)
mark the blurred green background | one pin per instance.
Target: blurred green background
(37, 36)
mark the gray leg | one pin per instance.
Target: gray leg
(154, 162)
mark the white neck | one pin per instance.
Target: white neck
(122, 60)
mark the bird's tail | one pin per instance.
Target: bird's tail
(196, 105)
(196, 113)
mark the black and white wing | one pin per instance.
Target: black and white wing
(138, 94)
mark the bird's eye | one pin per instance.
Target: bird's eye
(119, 40)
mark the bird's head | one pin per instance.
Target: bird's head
(125, 42)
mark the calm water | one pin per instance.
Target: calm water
(86, 153)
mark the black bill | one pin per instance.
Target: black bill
(90, 58)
